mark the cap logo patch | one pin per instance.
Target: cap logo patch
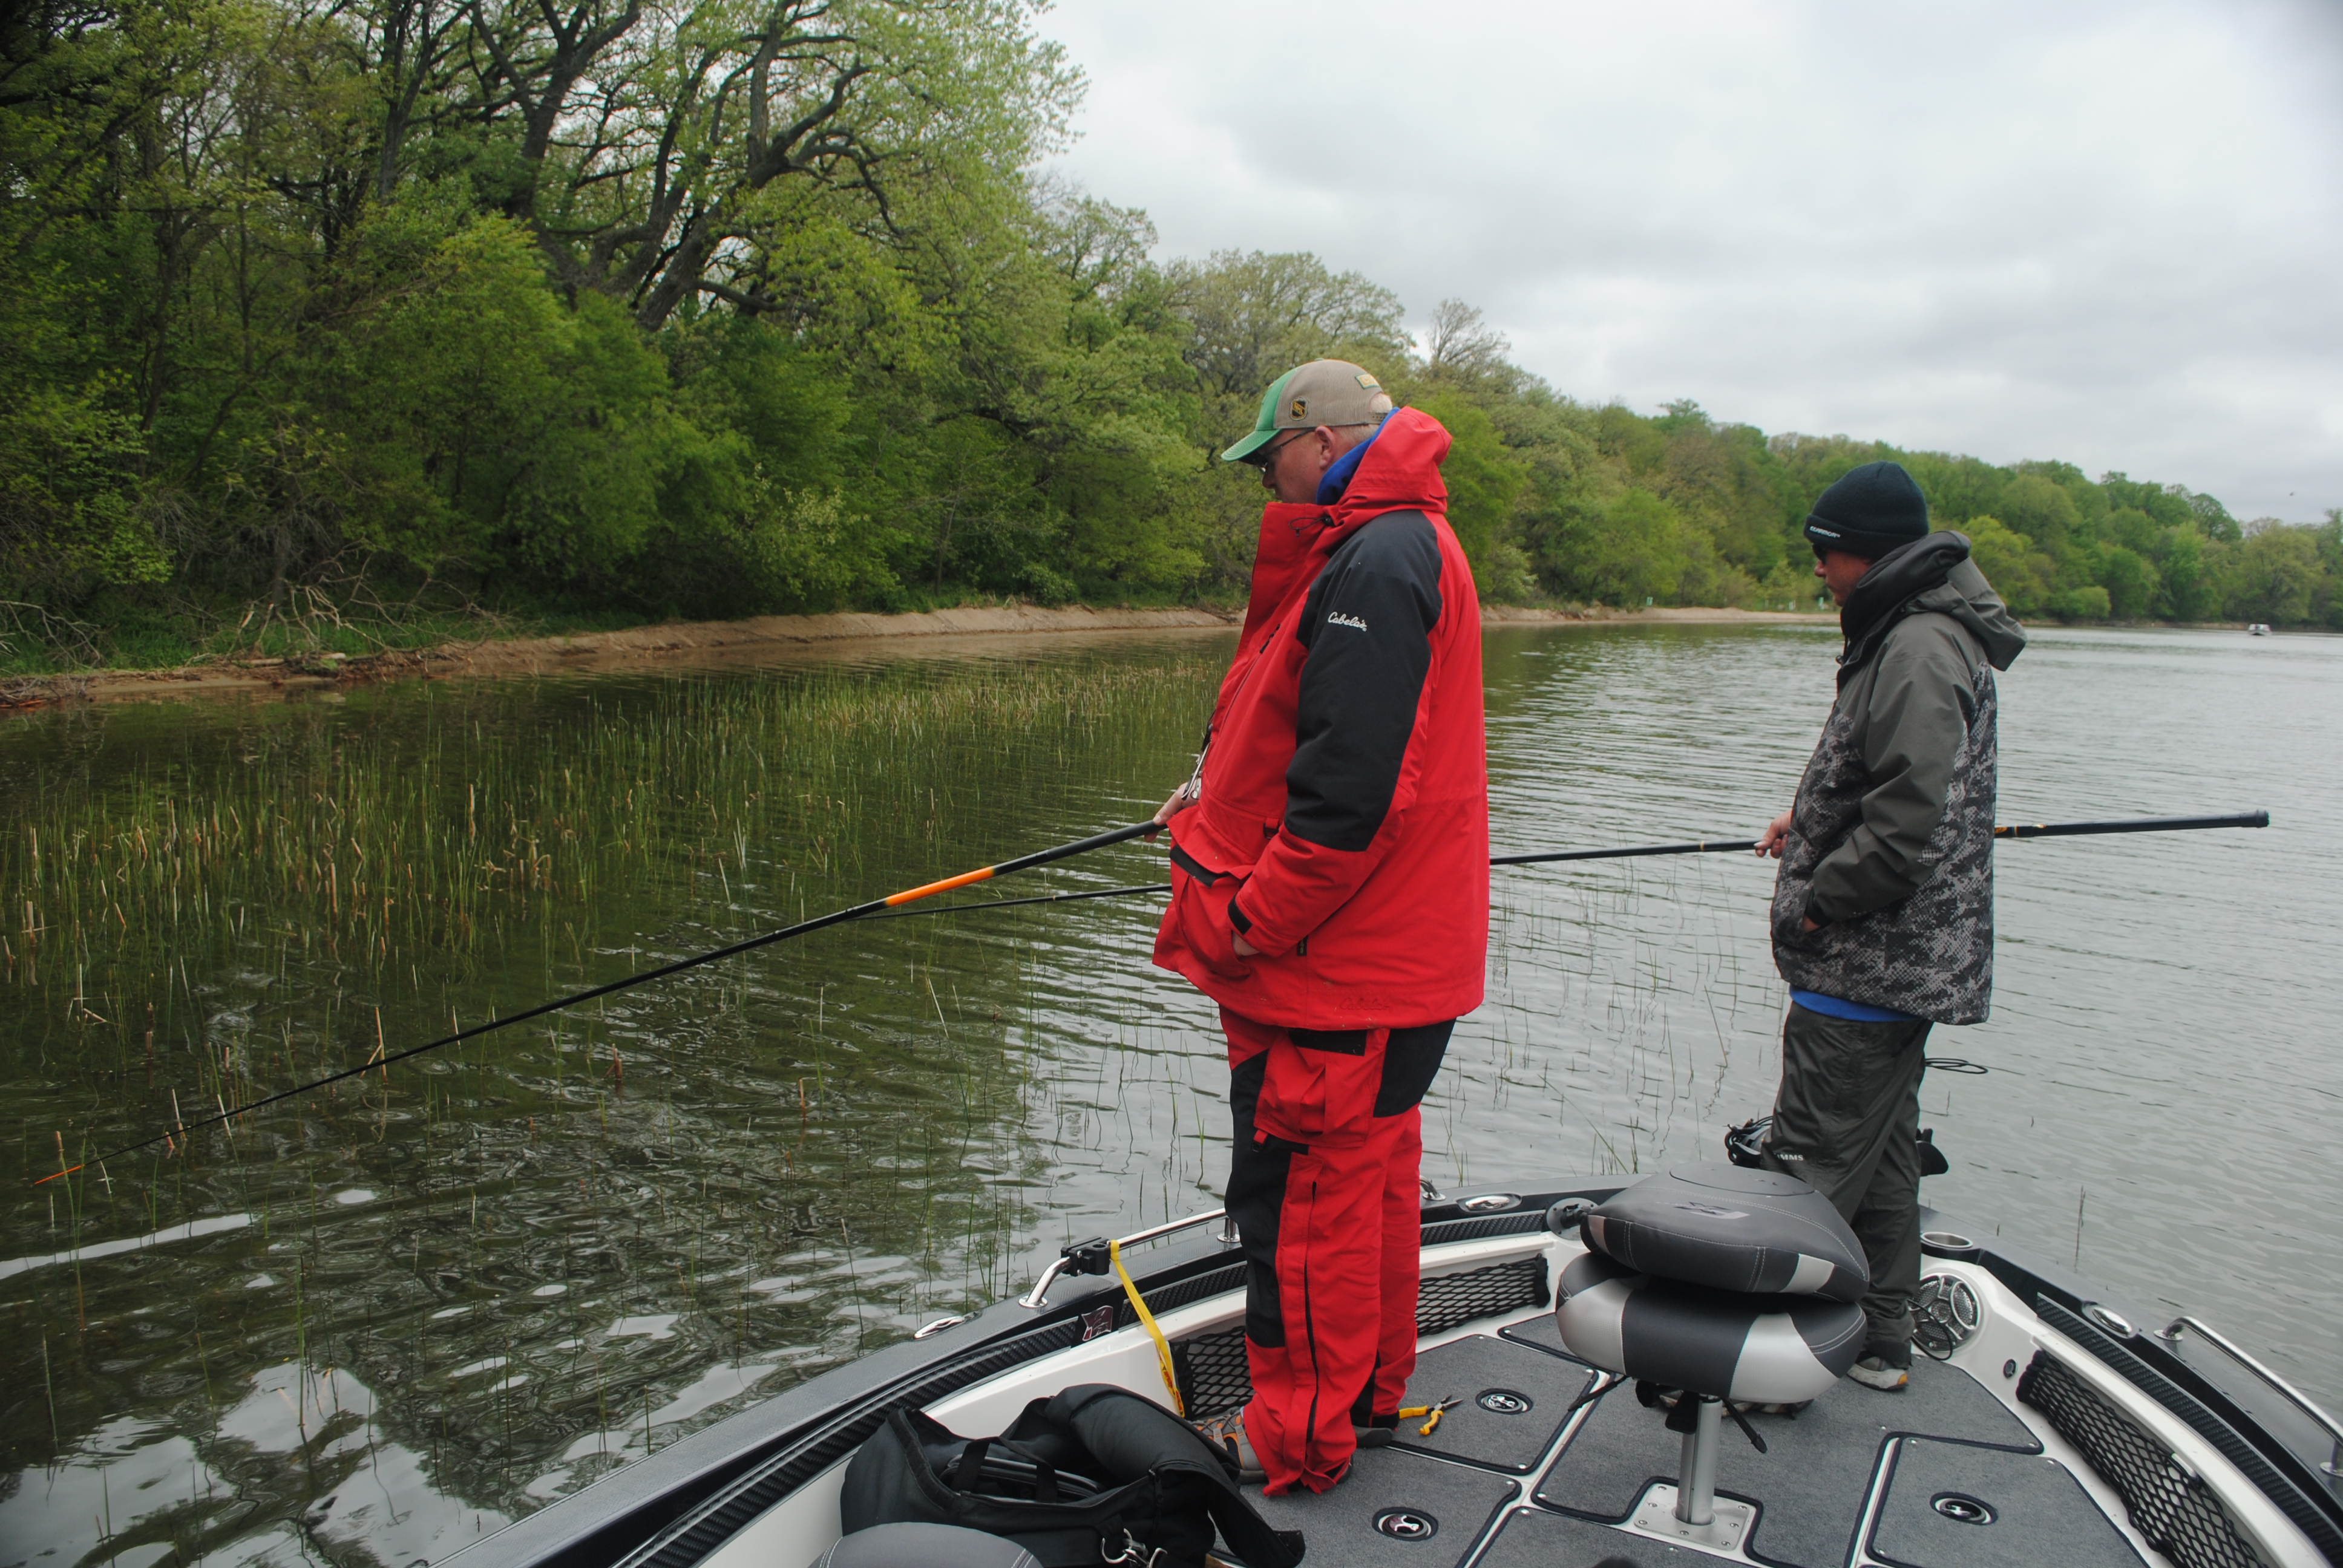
(1299, 408)
(1368, 382)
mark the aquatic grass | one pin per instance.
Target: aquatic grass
(251, 902)
(335, 823)
(304, 837)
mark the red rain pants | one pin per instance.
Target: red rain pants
(1322, 1185)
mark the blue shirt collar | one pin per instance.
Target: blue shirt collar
(1337, 478)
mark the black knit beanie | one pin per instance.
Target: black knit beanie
(1869, 512)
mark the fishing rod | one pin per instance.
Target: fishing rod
(1698, 847)
(802, 929)
(2010, 830)
(890, 906)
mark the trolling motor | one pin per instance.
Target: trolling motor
(1744, 1144)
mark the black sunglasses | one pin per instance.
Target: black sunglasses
(1268, 454)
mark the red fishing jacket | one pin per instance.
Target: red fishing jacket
(1344, 820)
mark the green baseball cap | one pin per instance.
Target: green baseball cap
(1323, 392)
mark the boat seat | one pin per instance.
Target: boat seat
(1767, 1350)
(1734, 1227)
(1726, 1283)
(1720, 1281)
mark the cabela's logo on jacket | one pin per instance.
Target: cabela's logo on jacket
(1339, 619)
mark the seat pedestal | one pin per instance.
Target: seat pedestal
(1696, 1472)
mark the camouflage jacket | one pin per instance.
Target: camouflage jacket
(1891, 839)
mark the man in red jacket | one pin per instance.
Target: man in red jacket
(1331, 891)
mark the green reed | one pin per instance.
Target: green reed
(259, 897)
(315, 836)
(361, 843)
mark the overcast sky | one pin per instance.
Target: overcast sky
(2110, 234)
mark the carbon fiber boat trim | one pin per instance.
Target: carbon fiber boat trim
(2305, 1513)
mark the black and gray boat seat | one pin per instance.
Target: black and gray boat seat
(1725, 1283)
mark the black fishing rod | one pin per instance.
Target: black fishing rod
(2009, 831)
(1698, 847)
(803, 928)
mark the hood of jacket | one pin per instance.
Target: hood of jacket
(1398, 470)
(1929, 576)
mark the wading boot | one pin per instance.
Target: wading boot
(1226, 1433)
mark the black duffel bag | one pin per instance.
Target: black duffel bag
(1096, 1474)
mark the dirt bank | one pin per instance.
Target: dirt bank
(702, 642)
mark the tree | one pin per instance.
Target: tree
(1630, 551)
(2276, 573)
(2131, 582)
(1458, 347)
(721, 307)
(2025, 577)
(1483, 481)
(1252, 317)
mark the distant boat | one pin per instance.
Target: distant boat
(2259, 628)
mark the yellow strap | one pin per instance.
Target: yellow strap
(1147, 1321)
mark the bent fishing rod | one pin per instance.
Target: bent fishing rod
(787, 933)
(1697, 846)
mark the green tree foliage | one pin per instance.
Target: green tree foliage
(745, 305)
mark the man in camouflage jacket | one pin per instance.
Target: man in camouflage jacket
(1883, 909)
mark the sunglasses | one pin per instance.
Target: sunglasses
(1268, 454)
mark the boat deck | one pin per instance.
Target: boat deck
(1518, 1478)
(1521, 1474)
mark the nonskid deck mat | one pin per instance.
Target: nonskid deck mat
(1511, 1404)
(1394, 1509)
(1811, 1483)
(1949, 1505)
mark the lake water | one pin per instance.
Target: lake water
(373, 1327)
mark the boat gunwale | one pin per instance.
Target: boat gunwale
(2310, 1499)
(635, 1514)
(619, 1516)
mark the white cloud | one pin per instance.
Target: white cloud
(2102, 232)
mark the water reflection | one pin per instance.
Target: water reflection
(372, 1328)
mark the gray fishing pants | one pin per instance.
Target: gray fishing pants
(1847, 1122)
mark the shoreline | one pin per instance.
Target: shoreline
(686, 642)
